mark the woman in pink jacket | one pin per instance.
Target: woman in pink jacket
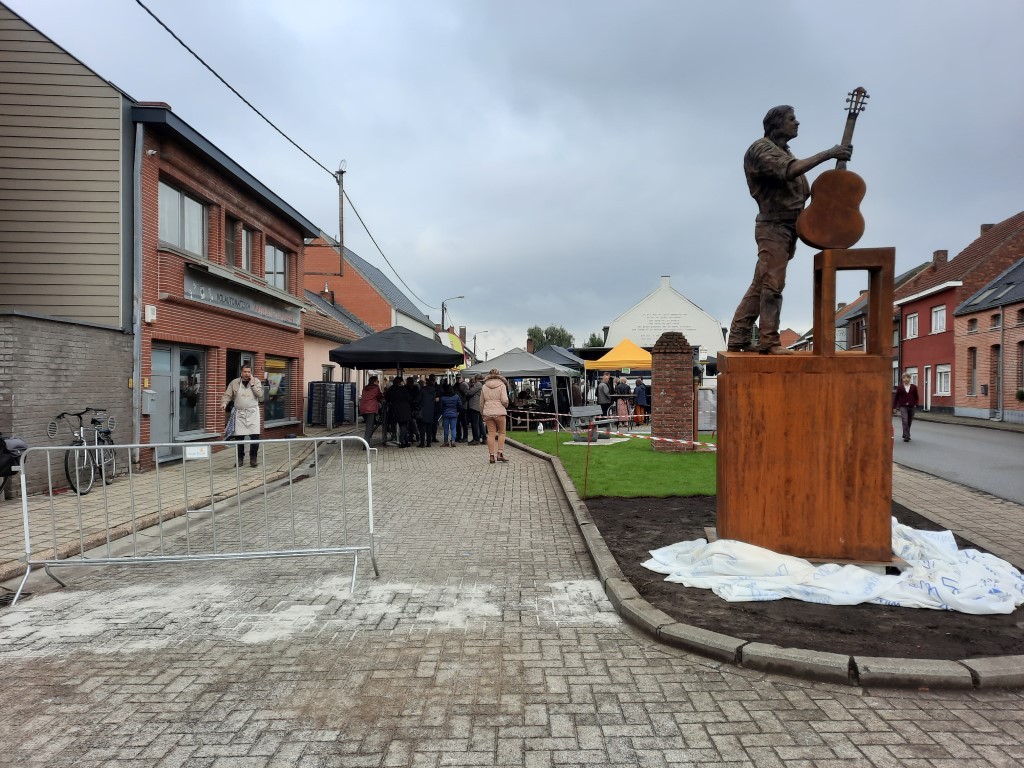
(493, 408)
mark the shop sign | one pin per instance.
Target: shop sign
(200, 287)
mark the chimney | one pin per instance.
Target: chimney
(462, 334)
(986, 227)
(327, 294)
(529, 346)
(940, 257)
(665, 281)
(840, 305)
(437, 328)
(863, 291)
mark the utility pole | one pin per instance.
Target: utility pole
(340, 176)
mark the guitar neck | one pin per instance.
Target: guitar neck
(851, 121)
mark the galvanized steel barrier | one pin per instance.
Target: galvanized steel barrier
(306, 497)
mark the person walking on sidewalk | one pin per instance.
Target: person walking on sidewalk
(904, 401)
(476, 422)
(369, 406)
(244, 395)
(494, 409)
(449, 414)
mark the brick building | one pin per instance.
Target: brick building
(989, 332)
(362, 288)
(924, 308)
(136, 256)
(222, 284)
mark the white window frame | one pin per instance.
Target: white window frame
(276, 278)
(911, 326)
(972, 325)
(912, 372)
(943, 380)
(175, 209)
(939, 319)
(248, 239)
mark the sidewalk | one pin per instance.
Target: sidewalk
(487, 640)
(963, 421)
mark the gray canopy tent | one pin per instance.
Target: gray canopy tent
(519, 364)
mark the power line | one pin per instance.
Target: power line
(269, 122)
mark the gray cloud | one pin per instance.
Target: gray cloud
(551, 160)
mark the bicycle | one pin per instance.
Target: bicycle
(83, 459)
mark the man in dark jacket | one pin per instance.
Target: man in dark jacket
(476, 421)
(400, 405)
(904, 401)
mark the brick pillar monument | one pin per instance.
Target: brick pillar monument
(672, 413)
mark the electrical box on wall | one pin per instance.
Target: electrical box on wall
(150, 313)
(148, 400)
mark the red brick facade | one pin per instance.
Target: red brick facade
(673, 392)
(948, 283)
(980, 337)
(353, 291)
(192, 322)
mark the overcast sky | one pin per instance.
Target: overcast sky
(550, 160)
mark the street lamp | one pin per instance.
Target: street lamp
(474, 344)
(450, 298)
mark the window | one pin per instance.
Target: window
(972, 325)
(912, 372)
(231, 241)
(895, 337)
(1020, 317)
(248, 238)
(942, 374)
(191, 392)
(276, 389)
(996, 321)
(972, 371)
(182, 221)
(895, 374)
(277, 267)
(856, 334)
(911, 327)
(939, 319)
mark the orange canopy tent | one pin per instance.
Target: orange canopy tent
(625, 354)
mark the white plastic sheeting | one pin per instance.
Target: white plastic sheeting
(939, 575)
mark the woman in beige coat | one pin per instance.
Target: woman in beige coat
(245, 394)
(493, 408)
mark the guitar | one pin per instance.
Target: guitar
(833, 218)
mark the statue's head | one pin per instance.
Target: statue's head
(775, 118)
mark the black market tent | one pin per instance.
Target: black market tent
(397, 348)
(561, 356)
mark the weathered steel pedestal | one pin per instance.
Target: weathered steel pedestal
(805, 440)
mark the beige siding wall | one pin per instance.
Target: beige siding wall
(60, 181)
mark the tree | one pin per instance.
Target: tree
(595, 340)
(553, 334)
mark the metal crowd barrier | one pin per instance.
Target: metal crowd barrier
(306, 497)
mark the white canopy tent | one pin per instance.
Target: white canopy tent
(519, 364)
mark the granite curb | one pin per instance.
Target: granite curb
(862, 671)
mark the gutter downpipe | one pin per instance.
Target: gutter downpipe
(1002, 359)
(137, 292)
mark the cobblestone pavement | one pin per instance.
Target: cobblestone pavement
(486, 641)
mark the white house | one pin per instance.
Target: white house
(667, 310)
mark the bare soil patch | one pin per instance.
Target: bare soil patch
(633, 527)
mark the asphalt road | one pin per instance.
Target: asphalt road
(990, 460)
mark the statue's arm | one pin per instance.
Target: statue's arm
(800, 167)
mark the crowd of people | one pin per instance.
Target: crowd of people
(414, 409)
(614, 396)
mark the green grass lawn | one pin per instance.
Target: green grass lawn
(630, 469)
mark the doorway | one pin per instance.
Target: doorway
(179, 409)
(927, 387)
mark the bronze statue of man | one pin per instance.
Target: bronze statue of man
(776, 181)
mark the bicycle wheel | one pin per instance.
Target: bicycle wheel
(79, 468)
(107, 459)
